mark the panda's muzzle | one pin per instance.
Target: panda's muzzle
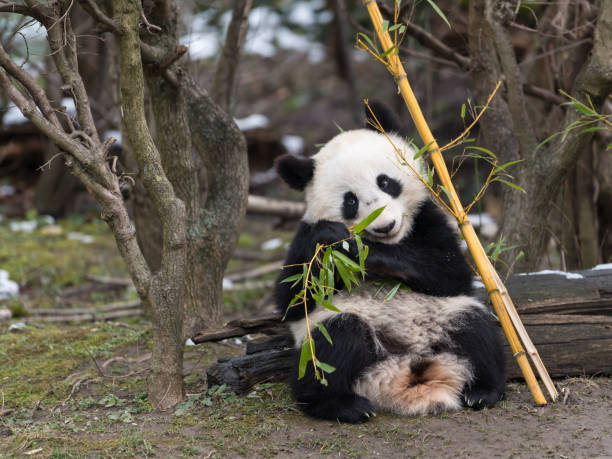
(385, 229)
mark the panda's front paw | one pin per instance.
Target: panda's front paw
(479, 398)
(326, 232)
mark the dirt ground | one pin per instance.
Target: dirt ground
(100, 410)
(79, 390)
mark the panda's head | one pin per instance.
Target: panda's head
(356, 173)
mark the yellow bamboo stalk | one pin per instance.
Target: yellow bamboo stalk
(508, 316)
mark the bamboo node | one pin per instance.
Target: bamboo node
(518, 354)
(401, 77)
(463, 223)
(493, 290)
(367, 2)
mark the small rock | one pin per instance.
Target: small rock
(5, 315)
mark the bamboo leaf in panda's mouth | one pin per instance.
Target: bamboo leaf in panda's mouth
(363, 224)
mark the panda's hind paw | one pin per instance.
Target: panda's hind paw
(477, 399)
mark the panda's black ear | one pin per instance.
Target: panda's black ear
(297, 172)
(385, 116)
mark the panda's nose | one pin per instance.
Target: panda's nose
(385, 229)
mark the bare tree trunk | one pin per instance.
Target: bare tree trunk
(545, 168)
(214, 183)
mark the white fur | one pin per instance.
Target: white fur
(352, 161)
(412, 319)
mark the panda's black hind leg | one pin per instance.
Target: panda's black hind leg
(351, 351)
(344, 408)
(479, 340)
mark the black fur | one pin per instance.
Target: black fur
(478, 339)
(389, 185)
(428, 259)
(301, 251)
(353, 351)
(385, 116)
(297, 172)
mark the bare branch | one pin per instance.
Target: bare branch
(96, 12)
(37, 93)
(67, 65)
(29, 110)
(429, 41)
(34, 9)
(225, 75)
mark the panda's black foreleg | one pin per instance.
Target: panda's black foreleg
(301, 251)
(352, 351)
(480, 342)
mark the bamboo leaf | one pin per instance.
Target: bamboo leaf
(324, 332)
(305, 357)
(395, 27)
(346, 260)
(327, 305)
(344, 275)
(422, 151)
(338, 127)
(393, 291)
(292, 278)
(513, 185)
(463, 111)
(484, 150)
(383, 55)
(439, 11)
(385, 26)
(367, 39)
(325, 367)
(504, 166)
(363, 224)
(327, 256)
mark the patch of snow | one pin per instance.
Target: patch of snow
(189, 342)
(477, 284)
(263, 178)
(485, 223)
(227, 283)
(68, 102)
(84, 238)
(26, 226)
(46, 220)
(237, 341)
(293, 143)
(13, 116)
(254, 121)
(8, 288)
(556, 272)
(116, 134)
(272, 244)
(7, 190)
(604, 266)
(17, 327)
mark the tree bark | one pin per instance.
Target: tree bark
(544, 169)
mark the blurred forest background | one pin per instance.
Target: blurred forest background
(300, 76)
(73, 381)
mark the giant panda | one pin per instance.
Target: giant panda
(427, 349)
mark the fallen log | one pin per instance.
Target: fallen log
(265, 206)
(567, 315)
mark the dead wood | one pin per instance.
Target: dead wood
(569, 321)
(275, 207)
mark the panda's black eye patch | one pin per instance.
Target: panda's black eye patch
(390, 186)
(350, 204)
